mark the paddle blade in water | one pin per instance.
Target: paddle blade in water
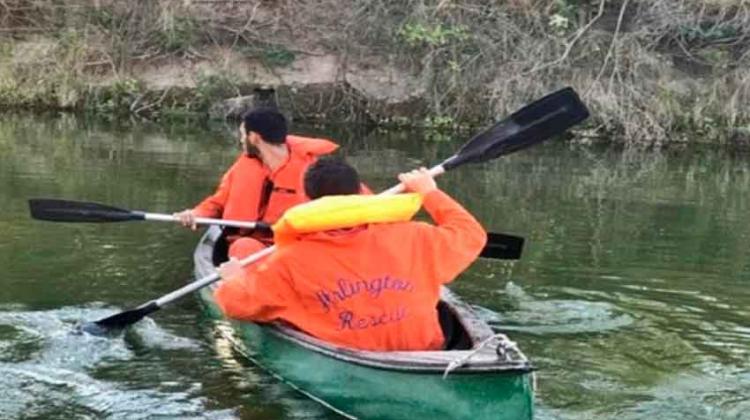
(119, 321)
(78, 211)
(534, 123)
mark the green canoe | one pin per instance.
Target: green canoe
(487, 376)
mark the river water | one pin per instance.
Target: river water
(632, 296)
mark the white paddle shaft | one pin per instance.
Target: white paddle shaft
(434, 171)
(201, 220)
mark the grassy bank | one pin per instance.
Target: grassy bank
(651, 71)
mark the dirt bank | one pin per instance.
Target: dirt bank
(651, 72)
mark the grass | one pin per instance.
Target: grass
(639, 65)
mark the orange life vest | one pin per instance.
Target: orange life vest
(250, 191)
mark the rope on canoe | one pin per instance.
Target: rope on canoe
(504, 349)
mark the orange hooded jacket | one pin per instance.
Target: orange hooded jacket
(240, 193)
(374, 287)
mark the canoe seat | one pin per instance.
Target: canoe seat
(456, 337)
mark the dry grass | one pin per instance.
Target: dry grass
(652, 71)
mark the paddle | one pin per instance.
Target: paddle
(55, 210)
(499, 245)
(546, 117)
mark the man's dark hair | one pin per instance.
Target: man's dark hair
(331, 176)
(268, 122)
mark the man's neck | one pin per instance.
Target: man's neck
(273, 156)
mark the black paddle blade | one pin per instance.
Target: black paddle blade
(534, 123)
(78, 211)
(106, 326)
(502, 247)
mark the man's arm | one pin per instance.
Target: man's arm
(259, 295)
(211, 206)
(456, 240)
(214, 204)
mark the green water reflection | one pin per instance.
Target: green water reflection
(631, 297)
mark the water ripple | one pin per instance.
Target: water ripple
(554, 316)
(49, 369)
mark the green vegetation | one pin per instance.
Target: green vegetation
(210, 87)
(417, 34)
(118, 97)
(639, 65)
(277, 56)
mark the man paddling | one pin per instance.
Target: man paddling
(370, 287)
(264, 181)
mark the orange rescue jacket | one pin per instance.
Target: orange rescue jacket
(240, 195)
(374, 287)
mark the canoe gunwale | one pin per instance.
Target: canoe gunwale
(486, 360)
(477, 360)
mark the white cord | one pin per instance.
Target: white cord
(505, 343)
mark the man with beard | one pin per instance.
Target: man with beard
(264, 181)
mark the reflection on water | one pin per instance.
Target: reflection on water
(631, 297)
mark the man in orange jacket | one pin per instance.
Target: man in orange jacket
(264, 181)
(372, 287)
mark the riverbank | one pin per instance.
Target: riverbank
(651, 72)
